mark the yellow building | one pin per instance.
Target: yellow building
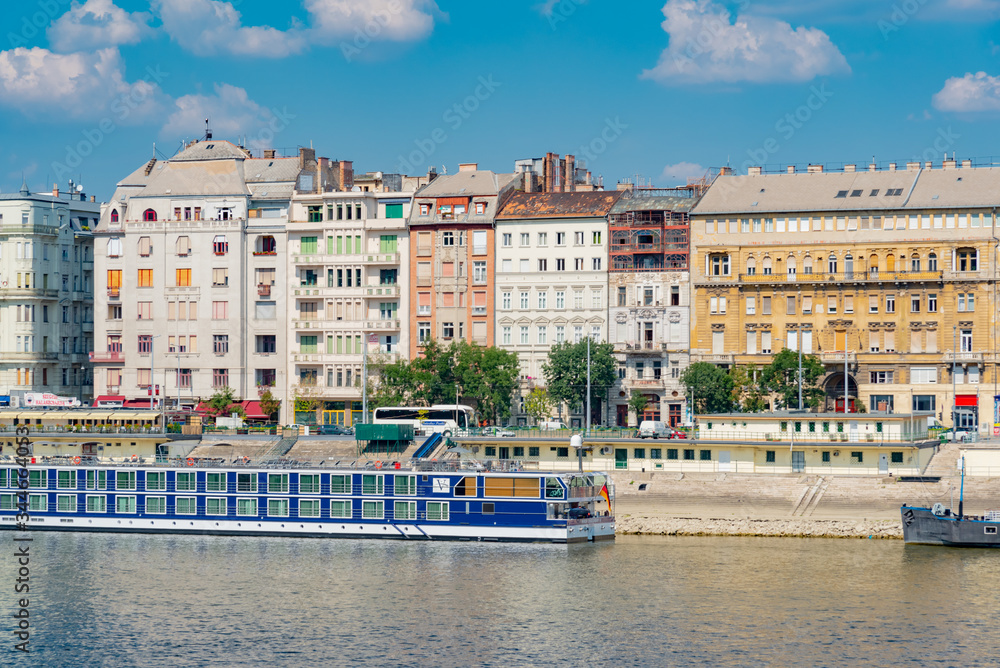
(893, 268)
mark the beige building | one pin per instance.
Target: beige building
(893, 268)
(46, 292)
(348, 275)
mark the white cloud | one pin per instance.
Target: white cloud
(681, 172)
(707, 44)
(973, 92)
(43, 84)
(376, 20)
(96, 24)
(211, 27)
(230, 110)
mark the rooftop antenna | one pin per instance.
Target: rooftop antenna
(208, 130)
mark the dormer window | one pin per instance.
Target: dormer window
(114, 215)
(480, 208)
(149, 216)
(425, 209)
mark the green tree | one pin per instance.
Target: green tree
(434, 375)
(748, 395)
(637, 403)
(223, 403)
(781, 378)
(269, 405)
(711, 386)
(538, 404)
(566, 372)
(490, 375)
(390, 383)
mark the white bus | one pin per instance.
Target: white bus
(444, 418)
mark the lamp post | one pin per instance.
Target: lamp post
(954, 398)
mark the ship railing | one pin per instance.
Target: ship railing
(597, 519)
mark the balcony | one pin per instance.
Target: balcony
(382, 291)
(114, 294)
(964, 358)
(649, 347)
(383, 325)
(185, 290)
(854, 277)
(88, 327)
(263, 290)
(714, 358)
(29, 293)
(837, 357)
(31, 357)
(647, 383)
(381, 258)
(107, 357)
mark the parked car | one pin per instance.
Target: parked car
(654, 429)
(333, 430)
(549, 425)
(498, 432)
(677, 433)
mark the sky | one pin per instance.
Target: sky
(656, 91)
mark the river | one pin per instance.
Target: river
(139, 600)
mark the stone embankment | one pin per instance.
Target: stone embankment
(802, 528)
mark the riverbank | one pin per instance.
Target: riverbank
(762, 527)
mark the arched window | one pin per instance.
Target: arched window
(915, 262)
(890, 263)
(114, 215)
(751, 266)
(807, 265)
(790, 265)
(873, 265)
(932, 262)
(149, 216)
(767, 266)
(831, 264)
(849, 265)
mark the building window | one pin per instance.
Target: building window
(890, 304)
(769, 456)
(423, 332)
(561, 264)
(882, 377)
(719, 265)
(184, 378)
(914, 303)
(966, 302)
(149, 216)
(932, 262)
(183, 278)
(967, 259)
(448, 330)
(505, 334)
(220, 344)
(479, 273)
(219, 245)
(543, 299)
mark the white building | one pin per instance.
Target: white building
(191, 264)
(551, 276)
(46, 292)
(347, 279)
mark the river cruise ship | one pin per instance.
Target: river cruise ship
(425, 501)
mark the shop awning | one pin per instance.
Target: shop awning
(966, 399)
(114, 399)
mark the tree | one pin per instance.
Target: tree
(390, 383)
(307, 400)
(748, 395)
(566, 372)
(711, 386)
(434, 375)
(637, 403)
(781, 377)
(538, 404)
(269, 405)
(224, 402)
(490, 375)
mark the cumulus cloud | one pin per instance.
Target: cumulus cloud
(680, 173)
(378, 20)
(707, 44)
(211, 27)
(230, 109)
(96, 24)
(43, 84)
(973, 92)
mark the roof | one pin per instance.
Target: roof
(852, 191)
(210, 149)
(478, 183)
(262, 170)
(189, 177)
(629, 202)
(595, 204)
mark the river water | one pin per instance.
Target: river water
(138, 600)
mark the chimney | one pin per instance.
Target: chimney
(468, 166)
(346, 175)
(529, 181)
(790, 169)
(570, 173)
(892, 166)
(753, 171)
(321, 175)
(949, 164)
(871, 167)
(92, 198)
(55, 190)
(307, 156)
(912, 166)
(815, 169)
(549, 171)
(725, 171)
(966, 164)
(850, 168)
(268, 153)
(928, 165)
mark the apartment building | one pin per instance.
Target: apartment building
(191, 257)
(451, 255)
(46, 292)
(649, 308)
(892, 269)
(348, 276)
(552, 276)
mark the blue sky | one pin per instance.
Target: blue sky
(660, 89)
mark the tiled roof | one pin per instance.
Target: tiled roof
(630, 202)
(595, 204)
(210, 149)
(207, 178)
(481, 182)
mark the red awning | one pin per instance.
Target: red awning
(138, 403)
(967, 400)
(250, 408)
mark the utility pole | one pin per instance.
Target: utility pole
(800, 368)
(588, 385)
(954, 398)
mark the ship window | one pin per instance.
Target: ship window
(989, 530)
(488, 508)
(66, 480)
(216, 506)
(524, 487)
(553, 490)
(896, 457)
(277, 507)
(188, 505)
(340, 484)
(246, 482)
(37, 502)
(309, 484)
(125, 480)
(156, 505)
(96, 504)
(372, 484)
(125, 504)
(66, 503)
(246, 506)
(405, 510)
(371, 510)
(437, 510)
(215, 482)
(340, 509)
(466, 487)
(277, 483)
(37, 478)
(156, 481)
(406, 485)
(185, 482)
(309, 507)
